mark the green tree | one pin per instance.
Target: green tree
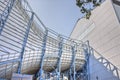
(87, 5)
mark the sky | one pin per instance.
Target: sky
(59, 15)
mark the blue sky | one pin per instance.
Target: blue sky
(59, 15)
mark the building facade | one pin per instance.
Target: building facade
(103, 32)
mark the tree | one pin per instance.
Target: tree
(87, 5)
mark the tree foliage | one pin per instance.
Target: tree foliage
(85, 9)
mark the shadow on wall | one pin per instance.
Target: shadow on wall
(102, 69)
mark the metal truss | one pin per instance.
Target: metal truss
(10, 61)
(43, 54)
(60, 45)
(28, 46)
(111, 67)
(72, 67)
(5, 14)
(24, 42)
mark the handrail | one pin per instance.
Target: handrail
(105, 59)
(115, 68)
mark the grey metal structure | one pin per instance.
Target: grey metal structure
(28, 47)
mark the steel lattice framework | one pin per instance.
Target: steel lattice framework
(28, 47)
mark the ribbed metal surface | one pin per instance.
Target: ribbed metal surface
(11, 41)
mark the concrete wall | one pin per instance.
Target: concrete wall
(103, 32)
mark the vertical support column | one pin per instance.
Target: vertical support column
(88, 52)
(24, 42)
(60, 45)
(70, 75)
(74, 52)
(72, 67)
(43, 53)
(5, 14)
(85, 65)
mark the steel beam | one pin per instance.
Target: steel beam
(72, 66)
(87, 54)
(74, 77)
(5, 14)
(25, 41)
(9, 61)
(43, 54)
(84, 69)
(70, 74)
(60, 46)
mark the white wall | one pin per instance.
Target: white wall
(103, 32)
